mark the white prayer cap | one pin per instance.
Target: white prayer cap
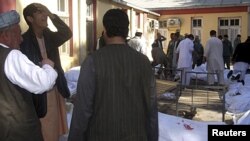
(139, 30)
(9, 18)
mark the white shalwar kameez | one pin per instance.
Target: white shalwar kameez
(138, 44)
(185, 49)
(21, 71)
(214, 57)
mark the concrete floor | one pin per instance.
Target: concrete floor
(195, 104)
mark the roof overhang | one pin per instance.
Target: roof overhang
(186, 4)
(136, 7)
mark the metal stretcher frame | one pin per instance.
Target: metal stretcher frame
(221, 89)
(176, 83)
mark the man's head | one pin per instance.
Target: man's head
(138, 33)
(35, 14)
(10, 31)
(158, 35)
(190, 36)
(178, 32)
(115, 22)
(28, 11)
(220, 37)
(226, 36)
(196, 38)
(212, 33)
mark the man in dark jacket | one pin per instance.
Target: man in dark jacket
(40, 42)
(198, 52)
(116, 95)
(227, 51)
(241, 61)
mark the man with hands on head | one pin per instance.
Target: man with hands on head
(40, 42)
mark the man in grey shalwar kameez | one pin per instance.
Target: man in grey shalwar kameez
(214, 56)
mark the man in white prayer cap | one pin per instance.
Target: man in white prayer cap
(138, 43)
(18, 119)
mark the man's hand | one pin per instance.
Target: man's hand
(45, 10)
(48, 61)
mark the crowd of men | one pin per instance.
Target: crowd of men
(184, 53)
(116, 90)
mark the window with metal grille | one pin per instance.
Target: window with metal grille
(230, 26)
(196, 27)
(196, 23)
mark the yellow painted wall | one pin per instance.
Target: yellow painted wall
(209, 22)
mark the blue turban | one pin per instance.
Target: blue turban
(8, 19)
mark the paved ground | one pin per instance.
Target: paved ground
(200, 105)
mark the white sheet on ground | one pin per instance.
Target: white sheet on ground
(244, 119)
(172, 128)
(72, 78)
(237, 101)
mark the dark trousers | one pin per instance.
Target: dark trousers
(227, 61)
